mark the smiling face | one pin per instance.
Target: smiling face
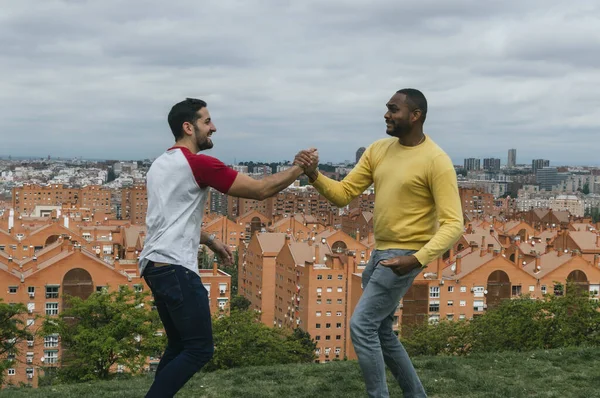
(201, 130)
(400, 116)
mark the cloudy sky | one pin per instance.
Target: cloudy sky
(97, 78)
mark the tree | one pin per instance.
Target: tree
(239, 303)
(242, 340)
(105, 330)
(12, 332)
(586, 189)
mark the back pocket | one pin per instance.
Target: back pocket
(166, 288)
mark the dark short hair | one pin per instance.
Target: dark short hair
(415, 100)
(184, 111)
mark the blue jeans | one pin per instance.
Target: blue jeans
(182, 303)
(374, 340)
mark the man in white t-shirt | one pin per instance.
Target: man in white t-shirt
(177, 184)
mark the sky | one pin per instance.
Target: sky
(97, 79)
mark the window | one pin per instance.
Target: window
(340, 277)
(11, 372)
(319, 277)
(12, 289)
(327, 337)
(318, 301)
(543, 288)
(463, 303)
(222, 288)
(450, 289)
(450, 317)
(338, 337)
(51, 308)
(463, 289)
(31, 291)
(329, 290)
(328, 313)
(328, 326)
(478, 291)
(462, 317)
(30, 322)
(51, 341)
(516, 290)
(434, 318)
(222, 302)
(138, 288)
(317, 338)
(434, 306)
(339, 289)
(318, 313)
(328, 301)
(319, 290)
(450, 303)
(52, 292)
(339, 313)
(340, 301)
(329, 277)
(318, 326)
(478, 305)
(338, 325)
(434, 292)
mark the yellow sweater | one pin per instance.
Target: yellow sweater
(415, 188)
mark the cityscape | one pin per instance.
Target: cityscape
(73, 227)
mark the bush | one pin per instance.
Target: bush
(515, 325)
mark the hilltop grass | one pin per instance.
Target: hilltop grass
(568, 372)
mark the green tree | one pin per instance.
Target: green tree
(12, 332)
(239, 303)
(586, 189)
(105, 330)
(242, 340)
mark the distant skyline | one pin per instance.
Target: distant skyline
(97, 79)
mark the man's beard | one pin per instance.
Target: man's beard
(204, 144)
(399, 130)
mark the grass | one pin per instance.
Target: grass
(571, 372)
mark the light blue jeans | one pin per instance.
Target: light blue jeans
(374, 340)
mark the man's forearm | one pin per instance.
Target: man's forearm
(278, 182)
(205, 238)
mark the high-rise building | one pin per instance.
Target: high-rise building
(491, 164)
(512, 158)
(472, 164)
(360, 152)
(547, 177)
(539, 164)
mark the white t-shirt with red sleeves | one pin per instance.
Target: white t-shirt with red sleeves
(177, 183)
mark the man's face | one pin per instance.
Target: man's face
(399, 117)
(203, 130)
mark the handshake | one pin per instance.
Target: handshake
(308, 160)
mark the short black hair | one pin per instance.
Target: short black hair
(416, 100)
(184, 111)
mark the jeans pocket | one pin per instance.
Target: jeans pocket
(166, 287)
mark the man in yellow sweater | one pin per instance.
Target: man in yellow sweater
(418, 217)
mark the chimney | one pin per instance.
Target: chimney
(482, 251)
(469, 229)
(496, 252)
(317, 261)
(458, 264)
(596, 258)
(215, 267)
(482, 242)
(538, 263)
(559, 252)
(573, 253)
(549, 248)
(358, 235)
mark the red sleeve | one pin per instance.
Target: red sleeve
(211, 172)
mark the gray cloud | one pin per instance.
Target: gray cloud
(97, 79)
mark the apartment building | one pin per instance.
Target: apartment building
(134, 204)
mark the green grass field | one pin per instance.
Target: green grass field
(573, 372)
